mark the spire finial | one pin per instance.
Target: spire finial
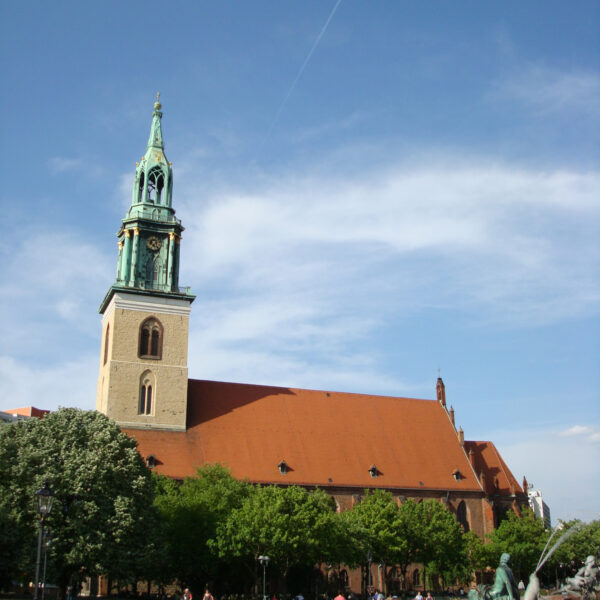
(157, 104)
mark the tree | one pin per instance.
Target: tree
(523, 537)
(192, 511)
(570, 553)
(103, 494)
(373, 523)
(290, 525)
(441, 539)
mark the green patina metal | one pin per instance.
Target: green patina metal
(149, 237)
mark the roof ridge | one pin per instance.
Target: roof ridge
(287, 387)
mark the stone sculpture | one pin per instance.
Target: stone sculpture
(505, 587)
(585, 580)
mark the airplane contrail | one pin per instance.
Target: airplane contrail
(308, 56)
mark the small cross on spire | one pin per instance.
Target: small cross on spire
(157, 104)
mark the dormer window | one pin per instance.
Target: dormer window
(150, 345)
(373, 471)
(457, 475)
(283, 467)
(151, 461)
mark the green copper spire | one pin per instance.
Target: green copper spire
(149, 239)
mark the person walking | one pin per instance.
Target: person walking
(207, 595)
(187, 595)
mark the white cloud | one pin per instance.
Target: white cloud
(50, 281)
(549, 91)
(519, 245)
(71, 383)
(577, 430)
(61, 164)
(561, 467)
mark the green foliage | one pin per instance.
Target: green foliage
(476, 552)
(414, 532)
(373, 524)
(442, 540)
(569, 556)
(103, 490)
(191, 513)
(523, 538)
(290, 525)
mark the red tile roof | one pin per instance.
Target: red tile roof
(326, 438)
(498, 477)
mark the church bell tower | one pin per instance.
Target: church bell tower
(145, 314)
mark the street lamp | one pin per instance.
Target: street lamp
(369, 561)
(42, 502)
(264, 561)
(47, 544)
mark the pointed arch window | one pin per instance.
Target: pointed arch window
(462, 517)
(106, 339)
(154, 272)
(141, 187)
(147, 397)
(151, 337)
(156, 183)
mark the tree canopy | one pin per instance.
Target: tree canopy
(523, 537)
(99, 523)
(289, 524)
(192, 511)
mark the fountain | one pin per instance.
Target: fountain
(582, 586)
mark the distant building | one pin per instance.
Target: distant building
(539, 507)
(10, 415)
(27, 411)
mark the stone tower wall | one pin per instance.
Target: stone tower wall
(119, 382)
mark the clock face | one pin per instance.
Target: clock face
(153, 243)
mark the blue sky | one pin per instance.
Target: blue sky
(423, 194)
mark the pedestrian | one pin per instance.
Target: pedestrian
(419, 596)
(340, 596)
(187, 595)
(207, 594)
(429, 596)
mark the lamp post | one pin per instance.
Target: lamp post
(369, 561)
(47, 543)
(264, 561)
(42, 502)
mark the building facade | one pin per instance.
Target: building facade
(539, 507)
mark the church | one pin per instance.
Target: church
(343, 443)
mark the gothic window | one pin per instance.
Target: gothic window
(141, 187)
(147, 396)
(156, 183)
(461, 516)
(151, 339)
(106, 338)
(153, 271)
(416, 577)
